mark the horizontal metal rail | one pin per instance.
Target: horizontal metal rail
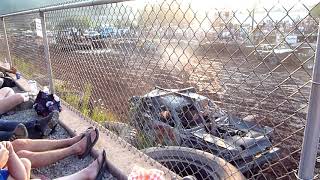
(64, 6)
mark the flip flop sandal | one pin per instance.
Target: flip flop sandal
(85, 132)
(102, 166)
(90, 143)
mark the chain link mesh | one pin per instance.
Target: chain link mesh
(129, 66)
(26, 47)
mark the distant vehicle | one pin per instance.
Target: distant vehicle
(211, 34)
(305, 54)
(108, 32)
(225, 35)
(147, 46)
(15, 34)
(273, 55)
(64, 35)
(122, 32)
(28, 33)
(65, 39)
(91, 34)
(49, 34)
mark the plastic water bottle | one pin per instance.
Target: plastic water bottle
(33, 87)
(18, 75)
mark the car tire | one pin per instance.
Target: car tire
(187, 161)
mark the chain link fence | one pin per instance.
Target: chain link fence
(183, 81)
(26, 47)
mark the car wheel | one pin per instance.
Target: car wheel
(187, 161)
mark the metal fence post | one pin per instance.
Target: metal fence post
(46, 50)
(312, 129)
(7, 42)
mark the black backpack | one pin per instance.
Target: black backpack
(8, 82)
(46, 103)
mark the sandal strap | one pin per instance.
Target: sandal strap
(90, 143)
(13, 137)
(102, 166)
(85, 132)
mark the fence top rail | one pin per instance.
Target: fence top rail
(63, 6)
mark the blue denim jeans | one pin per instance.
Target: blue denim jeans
(7, 127)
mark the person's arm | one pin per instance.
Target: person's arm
(11, 70)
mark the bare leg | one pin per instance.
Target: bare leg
(39, 145)
(89, 172)
(8, 103)
(40, 159)
(16, 167)
(27, 166)
(6, 92)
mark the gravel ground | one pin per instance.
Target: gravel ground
(63, 167)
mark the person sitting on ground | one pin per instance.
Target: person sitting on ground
(34, 128)
(21, 155)
(9, 99)
(4, 70)
(12, 70)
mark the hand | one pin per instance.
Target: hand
(4, 155)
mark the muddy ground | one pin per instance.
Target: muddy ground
(241, 83)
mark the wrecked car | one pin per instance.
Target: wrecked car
(181, 117)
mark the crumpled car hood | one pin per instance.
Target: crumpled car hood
(247, 145)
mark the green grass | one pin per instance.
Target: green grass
(24, 67)
(143, 141)
(73, 100)
(66, 94)
(101, 115)
(97, 113)
(85, 100)
(81, 103)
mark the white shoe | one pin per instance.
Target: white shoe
(25, 96)
(1, 82)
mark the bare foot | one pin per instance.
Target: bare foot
(9, 146)
(80, 147)
(75, 139)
